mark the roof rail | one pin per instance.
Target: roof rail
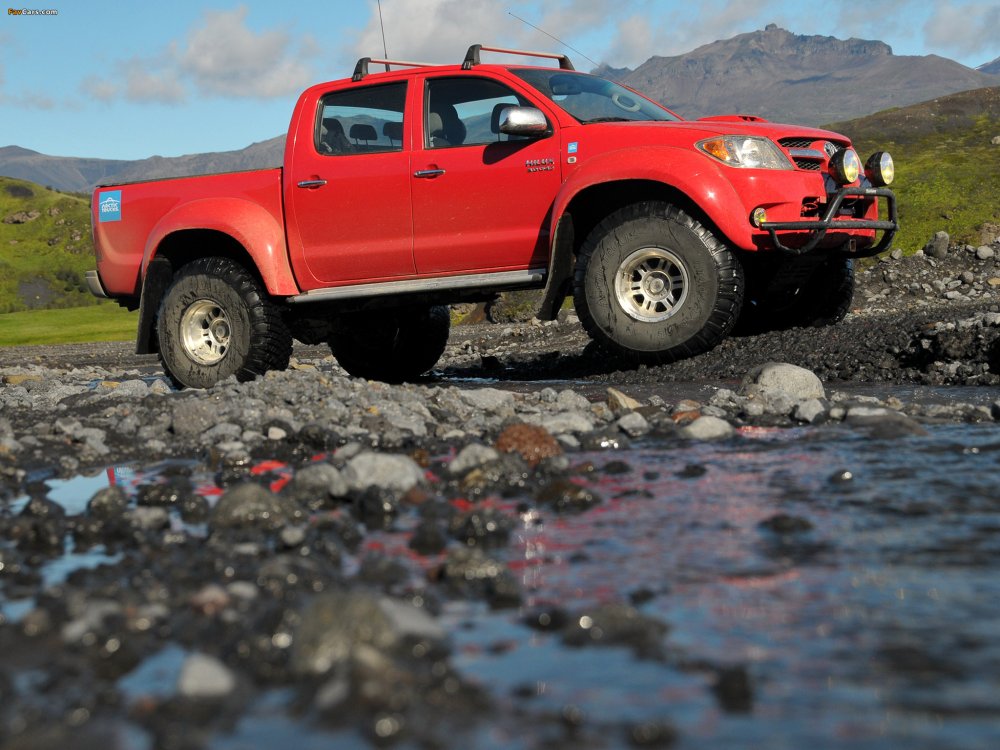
(361, 69)
(472, 56)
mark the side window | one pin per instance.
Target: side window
(362, 120)
(466, 111)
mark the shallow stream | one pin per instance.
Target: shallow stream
(818, 589)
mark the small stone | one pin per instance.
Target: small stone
(937, 246)
(708, 428)
(471, 457)
(490, 400)
(205, 677)
(531, 442)
(392, 472)
(809, 411)
(985, 252)
(618, 401)
(108, 503)
(633, 424)
(252, 505)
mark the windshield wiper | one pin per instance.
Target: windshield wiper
(607, 119)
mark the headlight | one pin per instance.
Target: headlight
(745, 151)
(880, 169)
(845, 166)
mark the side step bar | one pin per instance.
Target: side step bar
(503, 279)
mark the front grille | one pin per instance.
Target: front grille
(797, 142)
(808, 164)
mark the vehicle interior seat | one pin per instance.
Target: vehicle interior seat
(363, 132)
(394, 132)
(332, 138)
(444, 127)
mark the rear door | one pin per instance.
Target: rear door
(481, 199)
(349, 194)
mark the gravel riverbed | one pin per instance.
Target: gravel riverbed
(314, 559)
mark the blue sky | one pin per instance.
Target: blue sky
(127, 80)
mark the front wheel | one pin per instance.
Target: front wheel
(215, 321)
(655, 285)
(391, 345)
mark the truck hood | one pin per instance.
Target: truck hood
(725, 125)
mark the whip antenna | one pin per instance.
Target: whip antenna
(550, 36)
(382, 27)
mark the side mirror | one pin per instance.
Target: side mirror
(526, 121)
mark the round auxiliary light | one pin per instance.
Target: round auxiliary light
(880, 168)
(758, 217)
(845, 166)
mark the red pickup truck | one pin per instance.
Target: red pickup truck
(424, 185)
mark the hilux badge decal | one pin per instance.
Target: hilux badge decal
(109, 206)
(540, 165)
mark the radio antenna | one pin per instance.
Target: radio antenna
(550, 36)
(385, 49)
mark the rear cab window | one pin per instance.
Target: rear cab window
(362, 120)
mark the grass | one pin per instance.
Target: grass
(103, 322)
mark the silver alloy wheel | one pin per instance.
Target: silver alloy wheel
(651, 284)
(205, 332)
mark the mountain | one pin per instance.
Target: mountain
(802, 79)
(73, 174)
(773, 73)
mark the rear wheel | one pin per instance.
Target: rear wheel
(654, 284)
(215, 321)
(391, 345)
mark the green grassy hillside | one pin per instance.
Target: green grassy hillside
(45, 248)
(947, 168)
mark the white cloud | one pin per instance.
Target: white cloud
(224, 56)
(220, 56)
(964, 28)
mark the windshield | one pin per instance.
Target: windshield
(592, 99)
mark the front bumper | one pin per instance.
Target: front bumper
(818, 228)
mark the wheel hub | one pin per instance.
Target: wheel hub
(651, 284)
(205, 332)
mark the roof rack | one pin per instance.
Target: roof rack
(361, 69)
(472, 56)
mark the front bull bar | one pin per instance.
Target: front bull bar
(820, 227)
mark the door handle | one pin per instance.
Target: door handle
(310, 184)
(428, 172)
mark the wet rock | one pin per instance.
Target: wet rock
(108, 503)
(633, 424)
(617, 625)
(339, 628)
(570, 422)
(318, 485)
(605, 440)
(531, 442)
(470, 572)
(377, 507)
(882, 423)
(782, 523)
(570, 400)
(619, 402)
(937, 246)
(428, 538)
(796, 383)
(204, 677)
(396, 473)
(652, 734)
(565, 496)
(810, 411)
(251, 505)
(733, 690)
(708, 428)
(482, 527)
(471, 457)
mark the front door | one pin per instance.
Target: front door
(349, 196)
(481, 199)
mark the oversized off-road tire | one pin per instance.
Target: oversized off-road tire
(216, 320)
(391, 345)
(655, 285)
(823, 298)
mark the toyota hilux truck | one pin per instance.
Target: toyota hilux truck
(409, 187)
